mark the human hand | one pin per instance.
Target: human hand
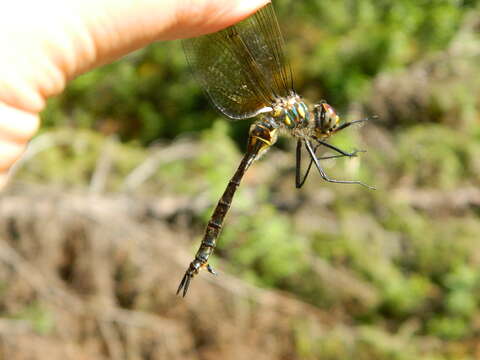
(46, 43)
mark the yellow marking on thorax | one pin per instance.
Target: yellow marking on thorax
(301, 112)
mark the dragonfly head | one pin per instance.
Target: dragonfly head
(326, 119)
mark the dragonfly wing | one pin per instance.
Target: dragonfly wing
(261, 33)
(224, 76)
(242, 68)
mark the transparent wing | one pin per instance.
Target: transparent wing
(242, 68)
(261, 33)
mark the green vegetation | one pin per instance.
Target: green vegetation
(400, 264)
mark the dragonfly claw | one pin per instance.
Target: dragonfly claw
(211, 270)
(189, 274)
(185, 283)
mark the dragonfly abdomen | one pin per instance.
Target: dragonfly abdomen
(215, 224)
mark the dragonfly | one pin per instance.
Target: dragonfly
(244, 72)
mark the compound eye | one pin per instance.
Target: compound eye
(329, 118)
(326, 118)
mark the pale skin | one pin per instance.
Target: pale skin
(45, 44)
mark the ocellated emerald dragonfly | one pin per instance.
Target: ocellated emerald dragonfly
(244, 72)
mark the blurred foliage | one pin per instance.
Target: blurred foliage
(400, 263)
(38, 317)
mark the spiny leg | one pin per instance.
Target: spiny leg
(298, 166)
(300, 182)
(324, 176)
(334, 148)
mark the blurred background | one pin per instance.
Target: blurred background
(109, 204)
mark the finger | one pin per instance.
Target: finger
(119, 27)
(17, 126)
(16, 129)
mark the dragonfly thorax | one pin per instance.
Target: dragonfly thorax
(291, 112)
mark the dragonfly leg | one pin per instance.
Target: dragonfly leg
(324, 176)
(298, 181)
(352, 154)
(334, 148)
